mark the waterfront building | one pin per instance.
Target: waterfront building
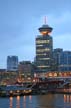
(25, 69)
(2, 71)
(65, 61)
(62, 60)
(12, 63)
(44, 48)
(56, 58)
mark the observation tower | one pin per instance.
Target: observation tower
(44, 48)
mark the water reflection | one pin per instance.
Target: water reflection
(18, 102)
(41, 101)
(24, 102)
(11, 102)
(30, 98)
(67, 98)
(54, 101)
(21, 102)
(30, 102)
(27, 102)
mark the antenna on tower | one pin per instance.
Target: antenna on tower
(45, 20)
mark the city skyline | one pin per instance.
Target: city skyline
(19, 23)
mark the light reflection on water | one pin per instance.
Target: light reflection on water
(67, 101)
(22, 102)
(18, 102)
(40, 101)
(11, 102)
(67, 98)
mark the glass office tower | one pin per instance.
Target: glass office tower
(12, 63)
(44, 48)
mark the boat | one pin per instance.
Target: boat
(14, 90)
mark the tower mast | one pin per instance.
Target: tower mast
(45, 20)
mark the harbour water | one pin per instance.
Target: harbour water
(37, 101)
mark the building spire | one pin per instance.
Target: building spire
(45, 29)
(45, 20)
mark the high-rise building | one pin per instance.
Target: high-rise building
(25, 69)
(56, 58)
(12, 63)
(62, 60)
(65, 61)
(44, 48)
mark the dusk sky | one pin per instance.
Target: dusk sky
(19, 23)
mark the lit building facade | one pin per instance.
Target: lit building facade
(57, 58)
(12, 63)
(44, 48)
(65, 61)
(62, 60)
(25, 69)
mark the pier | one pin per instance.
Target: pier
(50, 85)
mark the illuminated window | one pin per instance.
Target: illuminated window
(41, 54)
(43, 66)
(42, 50)
(55, 74)
(47, 49)
(39, 50)
(50, 74)
(39, 45)
(42, 41)
(44, 58)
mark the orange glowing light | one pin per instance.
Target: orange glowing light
(11, 102)
(45, 32)
(65, 98)
(55, 74)
(11, 98)
(30, 97)
(50, 75)
(18, 91)
(18, 97)
(24, 97)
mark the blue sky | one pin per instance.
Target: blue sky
(19, 23)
